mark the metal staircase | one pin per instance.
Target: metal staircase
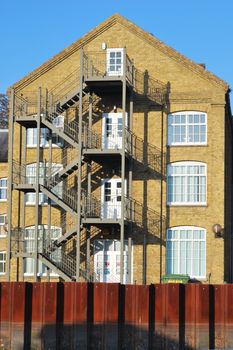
(56, 255)
(62, 186)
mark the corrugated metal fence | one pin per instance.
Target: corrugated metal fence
(112, 316)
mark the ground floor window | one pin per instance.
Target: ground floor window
(186, 251)
(2, 262)
(29, 246)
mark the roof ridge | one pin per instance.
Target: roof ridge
(173, 53)
(107, 23)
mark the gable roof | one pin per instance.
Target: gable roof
(109, 22)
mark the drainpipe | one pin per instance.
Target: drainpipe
(161, 199)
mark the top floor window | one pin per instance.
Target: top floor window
(187, 128)
(115, 61)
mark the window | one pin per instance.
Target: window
(115, 61)
(31, 173)
(29, 246)
(2, 262)
(57, 141)
(186, 183)
(30, 197)
(186, 251)
(3, 189)
(2, 225)
(187, 128)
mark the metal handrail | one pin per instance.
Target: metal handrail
(95, 64)
(27, 104)
(59, 91)
(146, 85)
(145, 217)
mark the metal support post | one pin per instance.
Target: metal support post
(79, 182)
(122, 228)
(130, 185)
(88, 242)
(161, 197)
(90, 120)
(24, 160)
(10, 183)
(49, 200)
(129, 260)
(88, 228)
(37, 186)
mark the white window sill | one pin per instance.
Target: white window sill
(3, 200)
(47, 146)
(41, 204)
(201, 279)
(32, 204)
(39, 275)
(184, 204)
(3, 236)
(2, 273)
(187, 144)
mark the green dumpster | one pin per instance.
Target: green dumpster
(173, 278)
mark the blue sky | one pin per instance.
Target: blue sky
(32, 31)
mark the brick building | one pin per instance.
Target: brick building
(133, 167)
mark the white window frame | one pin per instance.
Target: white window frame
(52, 274)
(186, 175)
(186, 125)
(3, 235)
(114, 73)
(4, 188)
(43, 199)
(179, 240)
(3, 262)
(59, 123)
(29, 178)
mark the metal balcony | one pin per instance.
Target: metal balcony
(107, 66)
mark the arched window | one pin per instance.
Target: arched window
(29, 246)
(187, 128)
(186, 183)
(186, 251)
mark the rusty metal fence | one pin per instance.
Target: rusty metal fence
(111, 316)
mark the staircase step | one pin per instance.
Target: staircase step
(72, 166)
(66, 236)
(66, 100)
(57, 200)
(60, 132)
(46, 261)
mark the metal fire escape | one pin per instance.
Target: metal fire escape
(70, 188)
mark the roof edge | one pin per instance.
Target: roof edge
(117, 18)
(62, 55)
